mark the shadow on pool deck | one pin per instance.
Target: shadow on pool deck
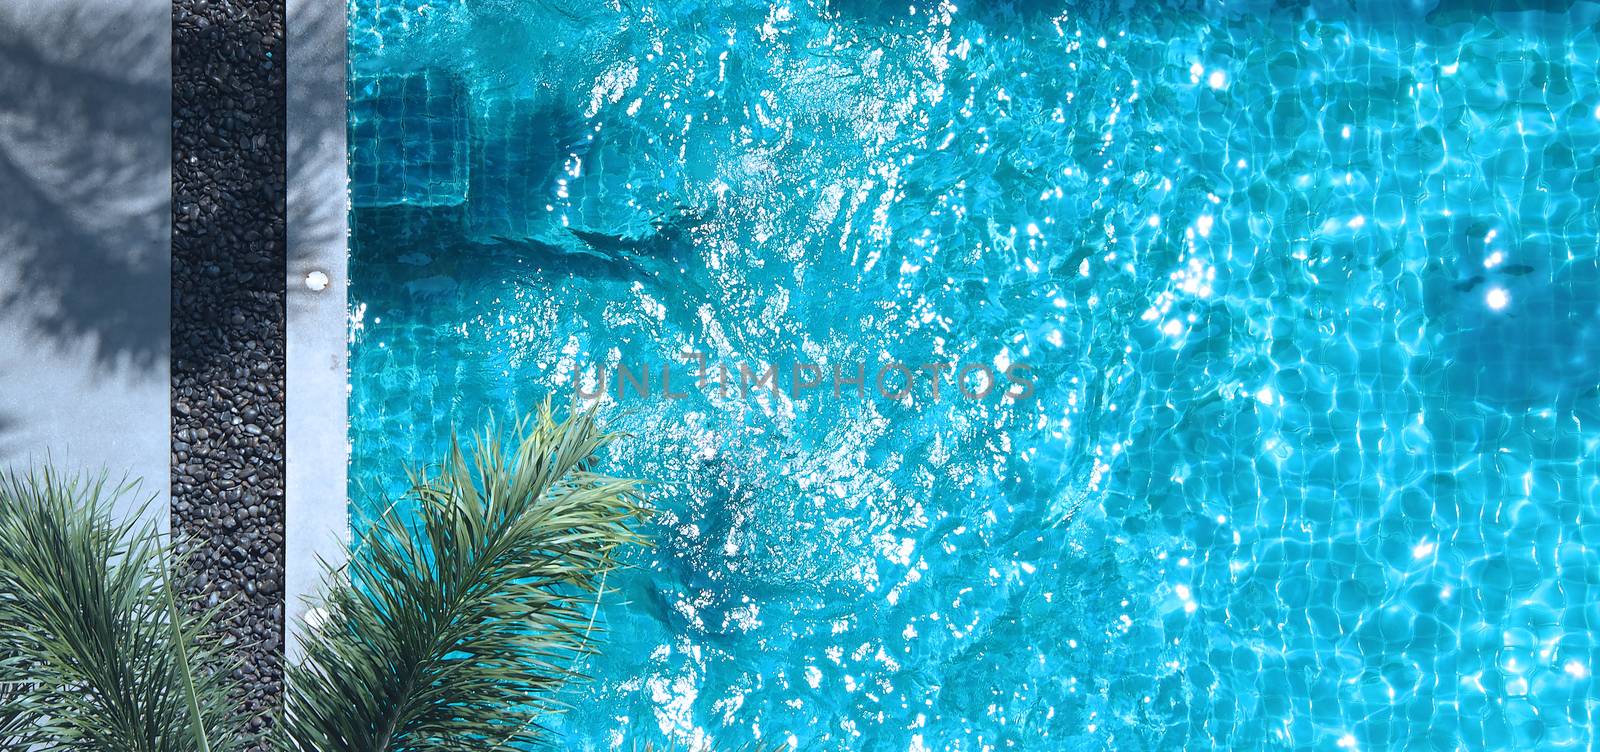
(315, 103)
(85, 156)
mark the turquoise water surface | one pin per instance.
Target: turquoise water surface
(1305, 297)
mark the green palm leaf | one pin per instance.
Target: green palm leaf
(94, 651)
(455, 624)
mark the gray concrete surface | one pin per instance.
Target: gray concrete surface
(317, 524)
(85, 255)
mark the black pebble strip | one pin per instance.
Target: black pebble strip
(229, 272)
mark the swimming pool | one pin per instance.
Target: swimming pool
(1307, 302)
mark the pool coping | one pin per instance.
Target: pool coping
(316, 526)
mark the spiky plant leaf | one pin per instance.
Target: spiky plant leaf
(17, 718)
(455, 622)
(94, 652)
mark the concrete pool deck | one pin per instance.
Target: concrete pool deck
(85, 156)
(317, 529)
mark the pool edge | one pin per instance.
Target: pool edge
(316, 529)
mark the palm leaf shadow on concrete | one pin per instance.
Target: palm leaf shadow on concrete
(7, 424)
(85, 155)
(316, 153)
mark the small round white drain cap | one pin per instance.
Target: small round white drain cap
(317, 281)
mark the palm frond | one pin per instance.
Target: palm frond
(94, 653)
(17, 718)
(457, 620)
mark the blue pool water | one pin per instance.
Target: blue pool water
(1308, 294)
